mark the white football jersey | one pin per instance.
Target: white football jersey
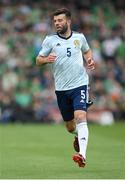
(68, 68)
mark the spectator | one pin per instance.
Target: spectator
(23, 27)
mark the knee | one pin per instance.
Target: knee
(80, 116)
(70, 129)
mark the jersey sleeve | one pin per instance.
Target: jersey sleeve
(85, 47)
(46, 47)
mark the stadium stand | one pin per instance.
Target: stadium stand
(27, 91)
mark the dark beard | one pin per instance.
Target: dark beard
(64, 30)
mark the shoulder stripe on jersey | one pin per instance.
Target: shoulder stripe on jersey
(52, 34)
(75, 32)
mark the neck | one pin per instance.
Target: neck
(66, 34)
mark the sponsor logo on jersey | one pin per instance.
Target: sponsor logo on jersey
(58, 44)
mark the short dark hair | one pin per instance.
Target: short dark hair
(62, 10)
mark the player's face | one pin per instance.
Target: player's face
(61, 23)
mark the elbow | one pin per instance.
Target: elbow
(40, 60)
(37, 61)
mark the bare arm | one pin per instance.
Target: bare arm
(42, 60)
(89, 60)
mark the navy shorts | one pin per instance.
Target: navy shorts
(71, 100)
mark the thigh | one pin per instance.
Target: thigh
(80, 98)
(65, 105)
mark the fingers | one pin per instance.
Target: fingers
(51, 58)
(91, 64)
(91, 67)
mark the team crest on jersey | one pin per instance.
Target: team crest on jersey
(77, 43)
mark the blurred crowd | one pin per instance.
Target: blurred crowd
(26, 91)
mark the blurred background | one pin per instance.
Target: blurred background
(27, 92)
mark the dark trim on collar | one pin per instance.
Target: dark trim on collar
(65, 37)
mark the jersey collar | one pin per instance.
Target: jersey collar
(65, 37)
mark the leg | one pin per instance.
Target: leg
(82, 129)
(71, 126)
(80, 116)
(67, 112)
(71, 105)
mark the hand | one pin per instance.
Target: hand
(51, 58)
(90, 64)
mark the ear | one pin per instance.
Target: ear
(69, 20)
